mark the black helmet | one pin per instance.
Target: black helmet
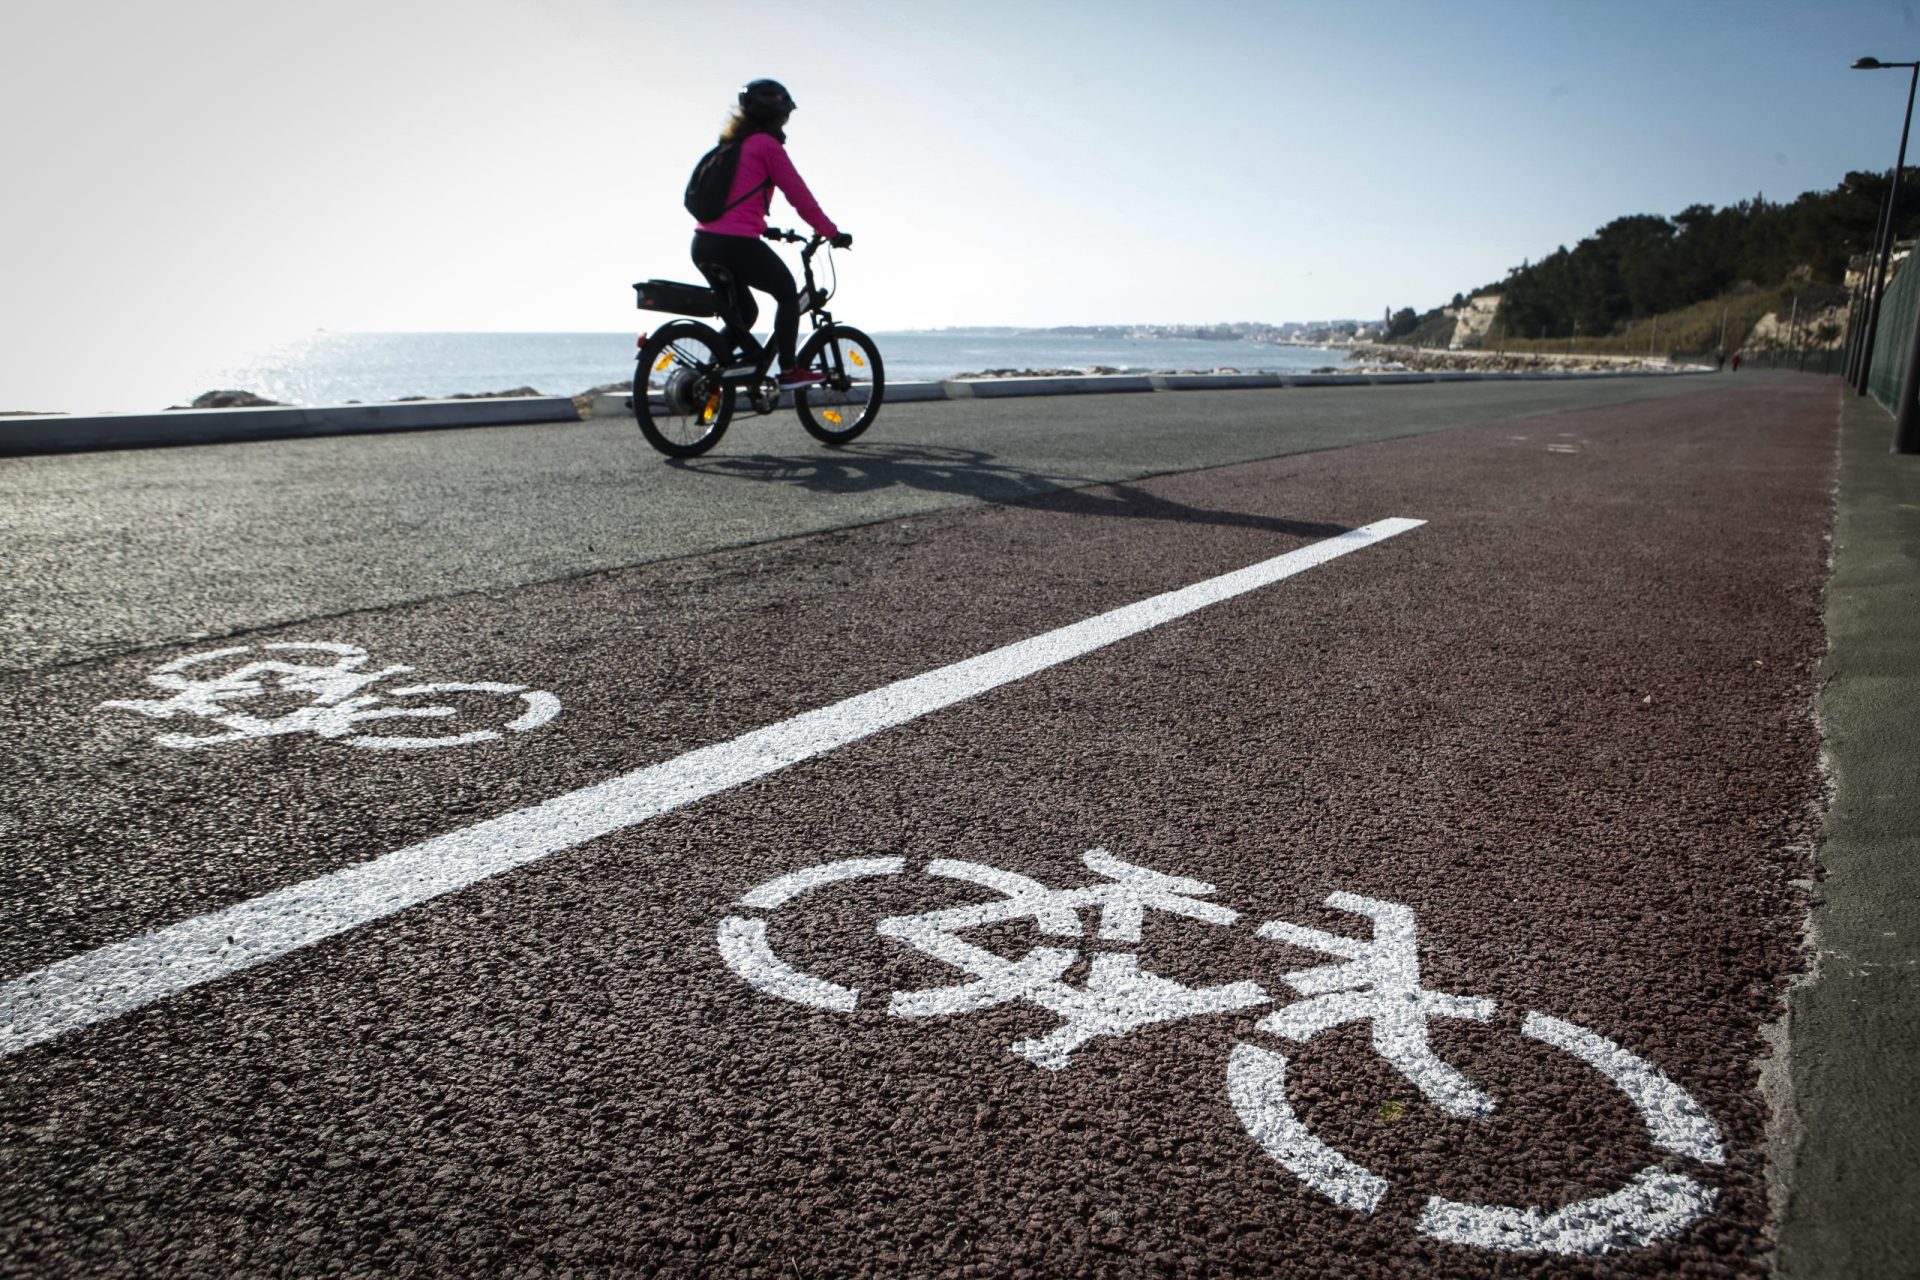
(766, 101)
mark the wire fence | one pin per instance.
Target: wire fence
(1822, 360)
(1831, 360)
(1894, 337)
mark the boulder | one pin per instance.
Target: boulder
(231, 400)
(583, 403)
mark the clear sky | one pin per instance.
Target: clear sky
(186, 177)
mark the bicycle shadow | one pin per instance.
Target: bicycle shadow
(975, 473)
(855, 469)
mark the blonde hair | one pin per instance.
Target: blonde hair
(741, 126)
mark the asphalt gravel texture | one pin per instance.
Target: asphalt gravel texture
(1567, 722)
(112, 550)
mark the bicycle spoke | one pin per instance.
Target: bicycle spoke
(839, 408)
(679, 401)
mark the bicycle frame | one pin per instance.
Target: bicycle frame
(695, 377)
(745, 346)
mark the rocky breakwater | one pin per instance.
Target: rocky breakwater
(583, 403)
(1093, 371)
(253, 400)
(228, 400)
(1411, 360)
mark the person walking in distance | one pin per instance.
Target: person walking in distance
(732, 240)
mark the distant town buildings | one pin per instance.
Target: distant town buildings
(1314, 333)
(1311, 333)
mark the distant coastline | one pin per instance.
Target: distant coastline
(376, 368)
(338, 369)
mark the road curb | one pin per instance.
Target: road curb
(617, 405)
(63, 433)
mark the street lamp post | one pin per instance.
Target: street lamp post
(1861, 298)
(1893, 211)
(1857, 306)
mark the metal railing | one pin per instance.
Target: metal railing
(1894, 338)
(1825, 360)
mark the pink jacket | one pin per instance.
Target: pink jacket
(762, 157)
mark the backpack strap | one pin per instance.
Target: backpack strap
(766, 186)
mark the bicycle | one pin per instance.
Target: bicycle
(688, 379)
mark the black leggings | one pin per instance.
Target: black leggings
(755, 265)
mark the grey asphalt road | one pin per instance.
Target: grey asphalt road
(110, 551)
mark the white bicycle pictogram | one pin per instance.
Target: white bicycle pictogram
(342, 706)
(1375, 980)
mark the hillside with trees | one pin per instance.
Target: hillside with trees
(1646, 265)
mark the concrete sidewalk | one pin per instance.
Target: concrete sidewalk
(1847, 1130)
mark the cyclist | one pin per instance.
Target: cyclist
(733, 240)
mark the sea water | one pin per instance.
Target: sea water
(334, 368)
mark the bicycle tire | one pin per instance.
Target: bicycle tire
(839, 409)
(678, 399)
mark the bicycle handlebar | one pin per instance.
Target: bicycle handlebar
(791, 237)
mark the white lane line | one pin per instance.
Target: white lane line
(124, 976)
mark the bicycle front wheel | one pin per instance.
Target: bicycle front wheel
(682, 406)
(847, 402)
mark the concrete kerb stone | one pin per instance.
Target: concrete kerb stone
(995, 388)
(907, 392)
(63, 433)
(1214, 381)
(616, 404)
(1328, 380)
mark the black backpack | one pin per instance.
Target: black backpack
(711, 181)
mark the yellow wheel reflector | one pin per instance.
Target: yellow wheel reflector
(855, 357)
(832, 417)
(713, 408)
(665, 360)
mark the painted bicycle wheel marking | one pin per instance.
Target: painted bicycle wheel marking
(343, 704)
(1375, 980)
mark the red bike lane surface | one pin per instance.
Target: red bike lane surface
(1564, 723)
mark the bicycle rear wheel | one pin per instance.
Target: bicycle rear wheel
(840, 408)
(678, 399)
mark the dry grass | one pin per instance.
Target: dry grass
(1691, 329)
